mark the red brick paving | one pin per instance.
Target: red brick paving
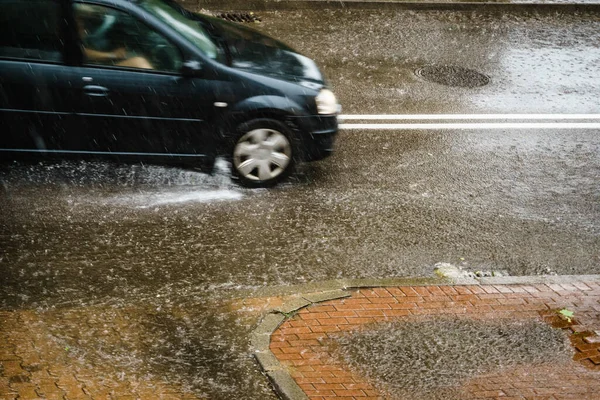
(300, 343)
(34, 364)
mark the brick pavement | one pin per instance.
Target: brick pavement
(39, 362)
(59, 354)
(301, 343)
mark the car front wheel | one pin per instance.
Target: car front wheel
(263, 154)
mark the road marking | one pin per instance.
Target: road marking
(427, 117)
(483, 125)
(466, 121)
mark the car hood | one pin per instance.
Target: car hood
(251, 50)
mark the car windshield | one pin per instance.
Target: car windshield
(179, 20)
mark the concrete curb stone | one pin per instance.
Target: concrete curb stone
(287, 388)
(260, 337)
(531, 280)
(324, 296)
(270, 323)
(293, 305)
(342, 284)
(268, 361)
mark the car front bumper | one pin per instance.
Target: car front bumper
(318, 135)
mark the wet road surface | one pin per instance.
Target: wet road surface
(537, 63)
(386, 204)
(483, 200)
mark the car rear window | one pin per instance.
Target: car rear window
(30, 29)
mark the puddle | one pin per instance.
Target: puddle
(158, 348)
(431, 359)
(153, 199)
(109, 175)
(130, 186)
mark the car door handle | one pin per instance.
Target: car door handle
(95, 91)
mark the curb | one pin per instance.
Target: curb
(285, 386)
(296, 5)
(283, 383)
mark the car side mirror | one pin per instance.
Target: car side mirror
(191, 68)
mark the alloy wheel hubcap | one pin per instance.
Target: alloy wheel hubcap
(262, 154)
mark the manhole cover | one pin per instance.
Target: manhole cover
(239, 17)
(451, 75)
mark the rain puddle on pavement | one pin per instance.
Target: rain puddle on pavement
(433, 359)
(158, 347)
(187, 187)
(154, 199)
(121, 185)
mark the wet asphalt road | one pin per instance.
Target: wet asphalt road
(387, 204)
(537, 63)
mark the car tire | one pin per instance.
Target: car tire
(263, 154)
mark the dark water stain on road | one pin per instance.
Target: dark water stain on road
(432, 359)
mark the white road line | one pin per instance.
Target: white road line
(482, 125)
(412, 117)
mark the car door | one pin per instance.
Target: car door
(132, 95)
(35, 83)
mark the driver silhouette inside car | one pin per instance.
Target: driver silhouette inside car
(118, 56)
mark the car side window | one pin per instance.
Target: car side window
(31, 29)
(114, 38)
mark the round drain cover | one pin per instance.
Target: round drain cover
(450, 75)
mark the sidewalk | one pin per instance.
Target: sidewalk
(43, 354)
(300, 361)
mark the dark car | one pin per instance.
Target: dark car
(147, 80)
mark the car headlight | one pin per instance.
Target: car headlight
(326, 102)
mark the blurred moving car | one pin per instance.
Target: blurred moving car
(147, 80)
